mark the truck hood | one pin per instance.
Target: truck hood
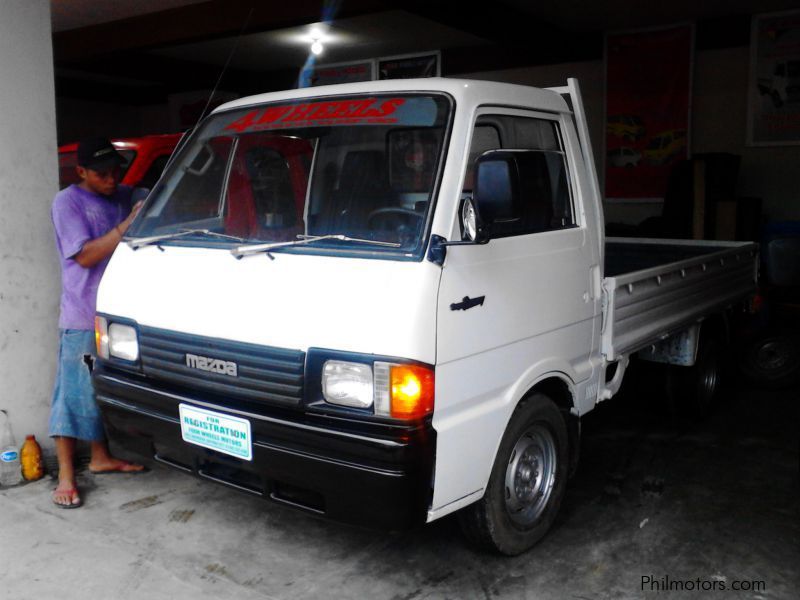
(296, 301)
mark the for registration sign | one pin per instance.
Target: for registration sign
(213, 430)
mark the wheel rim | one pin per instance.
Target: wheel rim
(530, 475)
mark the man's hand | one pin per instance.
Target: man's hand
(101, 248)
(123, 227)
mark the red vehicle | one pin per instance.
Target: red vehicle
(145, 158)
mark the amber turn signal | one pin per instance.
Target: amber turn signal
(411, 391)
(101, 337)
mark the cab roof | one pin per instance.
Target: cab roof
(465, 92)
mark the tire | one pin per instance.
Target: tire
(772, 361)
(526, 484)
(693, 391)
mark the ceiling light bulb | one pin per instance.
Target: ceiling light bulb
(316, 47)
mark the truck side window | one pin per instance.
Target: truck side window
(548, 188)
(196, 196)
(484, 138)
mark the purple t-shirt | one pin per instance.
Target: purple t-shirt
(78, 217)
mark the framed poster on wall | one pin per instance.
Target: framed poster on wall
(774, 87)
(410, 66)
(350, 72)
(648, 93)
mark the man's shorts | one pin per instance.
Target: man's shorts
(74, 412)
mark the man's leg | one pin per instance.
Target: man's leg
(103, 462)
(67, 491)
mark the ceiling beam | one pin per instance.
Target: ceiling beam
(497, 22)
(156, 70)
(139, 78)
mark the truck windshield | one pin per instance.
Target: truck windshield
(345, 167)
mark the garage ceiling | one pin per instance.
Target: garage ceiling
(377, 34)
(138, 52)
(74, 14)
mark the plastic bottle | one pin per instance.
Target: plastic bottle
(30, 456)
(10, 473)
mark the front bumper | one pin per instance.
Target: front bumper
(368, 473)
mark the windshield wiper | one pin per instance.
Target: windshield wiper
(241, 251)
(136, 243)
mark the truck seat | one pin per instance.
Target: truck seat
(363, 187)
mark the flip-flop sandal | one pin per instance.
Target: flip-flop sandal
(120, 471)
(72, 492)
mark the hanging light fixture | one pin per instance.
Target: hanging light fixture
(316, 36)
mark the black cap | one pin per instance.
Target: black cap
(98, 153)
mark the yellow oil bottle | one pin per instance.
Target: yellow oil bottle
(31, 459)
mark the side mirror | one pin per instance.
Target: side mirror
(495, 198)
(514, 193)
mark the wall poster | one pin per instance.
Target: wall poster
(774, 94)
(410, 66)
(391, 67)
(352, 72)
(648, 92)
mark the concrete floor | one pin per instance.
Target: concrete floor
(718, 502)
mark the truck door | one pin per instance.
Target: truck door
(518, 305)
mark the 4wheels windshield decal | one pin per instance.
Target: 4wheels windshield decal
(366, 111)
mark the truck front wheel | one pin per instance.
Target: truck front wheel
(527, 481)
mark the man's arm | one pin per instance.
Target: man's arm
(102, 247)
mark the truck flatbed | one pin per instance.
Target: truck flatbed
(657, 287)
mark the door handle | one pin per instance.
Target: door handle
(467, 303)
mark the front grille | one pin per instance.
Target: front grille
(264, 374)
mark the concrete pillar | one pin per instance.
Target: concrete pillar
(29, 275)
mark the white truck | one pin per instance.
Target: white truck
(389, 301)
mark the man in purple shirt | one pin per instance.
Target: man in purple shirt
(90, 219)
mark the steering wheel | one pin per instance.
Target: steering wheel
(404, 212)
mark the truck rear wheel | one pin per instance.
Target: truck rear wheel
(527, 481)
(693, 391)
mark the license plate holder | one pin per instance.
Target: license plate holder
(216, 431)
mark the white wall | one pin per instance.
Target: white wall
(719, 124)
(29, 275)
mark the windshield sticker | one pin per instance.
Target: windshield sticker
(368, 111)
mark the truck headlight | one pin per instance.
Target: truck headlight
(347, 383)
(397, 389)
(123, 342)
